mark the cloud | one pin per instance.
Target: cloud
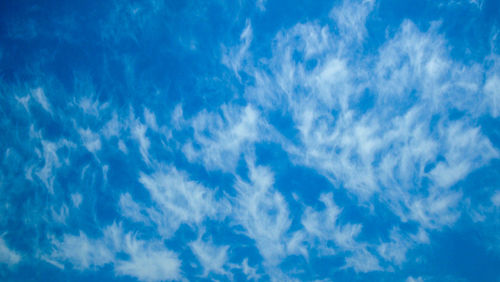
(390, 146)
(112, 127)
(132, 210)
(219, 139)
(178, 200)
(82, 252)
(350, 18)
(324, 226)
(491, 90)
(91, 106)
(249, 271)
(39, 95)
(150, 119)
(362, 261)
(235, 56)
(77, 199)
(145, 260)
(7, 255)
(91, 140)
(263, 213)
(61, 215)
(324, 234)
(51, 162)
(395, 250)
(213, 258)
(495, 199)
(465, 150)
(24, 101)
(412, 279)
(492, 80)
(149, 261)
(138, 132)
(395, 126)
(261, 4)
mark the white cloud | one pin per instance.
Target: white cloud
(39, 95)
(350, 18)
(495, 199)
(138, 131)
(220, 139)
(421, 236)
(395, 250)
(249, 271)
(213, 258)
(178, 200)
(112, 127)
(24, 101)
(91, 140)
(492, 92)
(464, 150)
(436, 210)
(150, 119)
(362, 261)
(61, 215)
(263, 213)
(91, 106)
(51, 162)
(129, 208)
(77, 199)
(401, 149)
(81, 251)
(122, 147)
(177, 117)
(149, 261)
(297, 244)
(146, 260)
(412, 279)
(261, 4)
(234, 57)
(403, 140)
(7, 255)
(324, 226)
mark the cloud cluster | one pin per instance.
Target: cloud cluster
(395, 129)
(380, 123)
(146, 260)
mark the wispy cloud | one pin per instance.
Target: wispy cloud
(39, 95)
(392, 145)
(350, 18)
(213, 258)
(220, 139)
(178, 200)
(324, 226)
(7, 255)
(340, 144)
(263, 213)
(234, 57)
(82, 252)
(50, 159)
(362, 261)
(146, 260)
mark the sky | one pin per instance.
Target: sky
(266, 140)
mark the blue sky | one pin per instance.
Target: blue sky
(250, 140)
